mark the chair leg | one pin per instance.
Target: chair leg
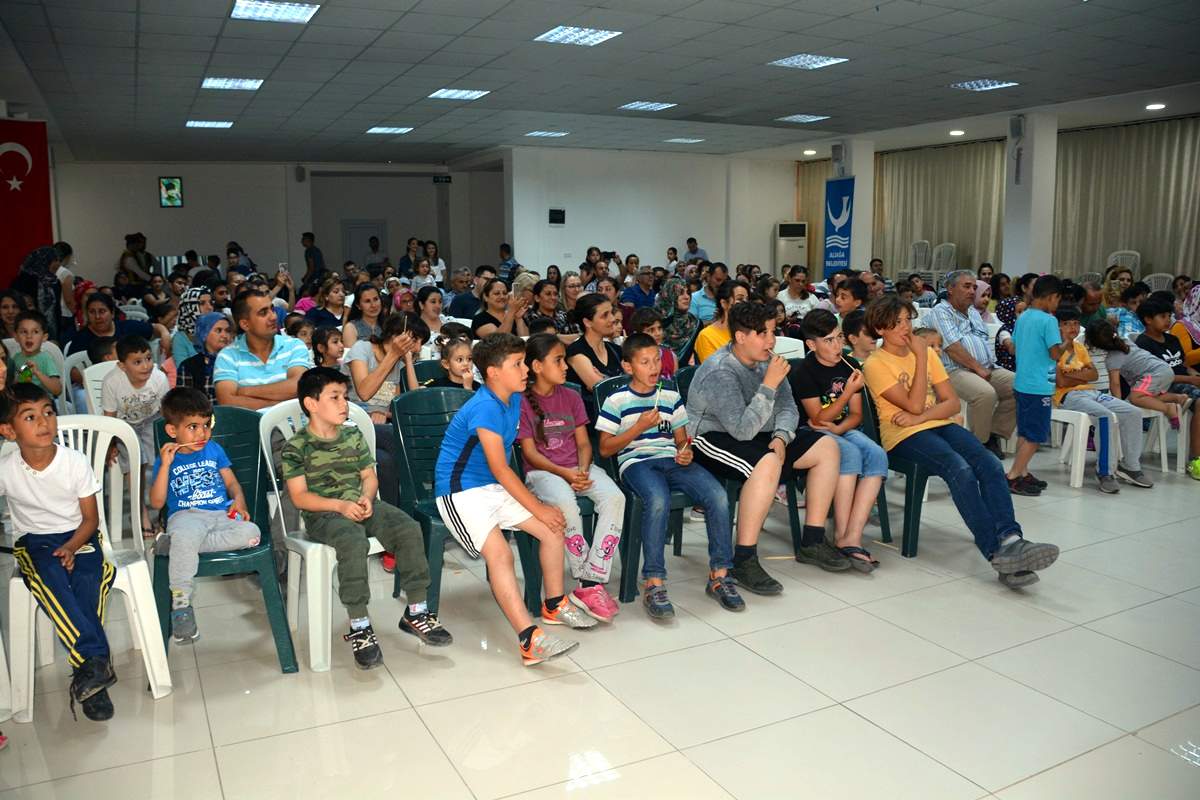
(1077, 436)
(295, 566)
(631, 548)
(885, 523)
(133, 580)
(527, 550)
(318, 585)
(21, 611)
(435, 552)
(915, 488)
(794, 517)
(276, 614)
(44, 633)
(162, 597)
(675, 530)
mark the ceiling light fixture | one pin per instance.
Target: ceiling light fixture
(957, 132)
(236, 84)
(459, 94)
(983, 85)
(810, 152)
(267, 11)
(1156, 106)
(568, 34)
(209, 123)
(387, 130)
(548, 134)
(807, 61)
(646, 105)
(683, 140)
(802, 118)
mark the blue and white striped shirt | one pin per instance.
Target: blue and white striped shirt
(236, 362)
(968, 329)
(621, 411)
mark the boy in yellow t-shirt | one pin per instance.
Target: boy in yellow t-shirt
(1074, 391)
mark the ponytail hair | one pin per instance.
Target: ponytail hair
(1101, 335)
(538, 348)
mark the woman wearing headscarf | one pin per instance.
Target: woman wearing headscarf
(1187, 329)
(37, 280)
(983, 298)
(679, 324)
(213, 334)
(193, 303)
(1006, 314)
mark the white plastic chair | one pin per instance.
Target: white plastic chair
(1156, 436)
(316, 560)
(91, 435)
(922, 256)
(93, 379)
(5, 687)
(66, 401)
(1074, 444)
(1159, 281)
(1089, 277)
(1183, 447)
(788, 347)
(135, 312)
(1129, 259)
(945, 257)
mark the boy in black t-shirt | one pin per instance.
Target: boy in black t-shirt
(827, 390)
(1157, 315)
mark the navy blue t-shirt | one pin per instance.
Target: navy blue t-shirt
(461, 464)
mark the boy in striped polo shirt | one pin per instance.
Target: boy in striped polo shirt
(645, 426)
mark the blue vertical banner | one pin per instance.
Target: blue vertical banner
(839, 217)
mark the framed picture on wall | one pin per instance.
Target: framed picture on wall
(170, 192)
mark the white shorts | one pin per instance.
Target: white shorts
(472, 514)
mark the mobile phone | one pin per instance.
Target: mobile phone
(608, 254)
(282, 267)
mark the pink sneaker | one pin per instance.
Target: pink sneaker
(591, 600)
(614, 607)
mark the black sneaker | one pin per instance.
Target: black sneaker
(1035, 481)
(425, 626)
(753, 578)
(724, 591)
(657, 604)
(993, 446)
(94, 675)
(1135, 477)
(367, 654)
(98, 707)
(823, 555)
(1023, 487)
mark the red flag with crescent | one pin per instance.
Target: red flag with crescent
(25, 215)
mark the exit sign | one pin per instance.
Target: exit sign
(441, 178)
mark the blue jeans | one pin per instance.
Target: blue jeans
(975, 477)
(653, 481)
(860, 455)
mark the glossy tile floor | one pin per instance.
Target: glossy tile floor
(925, 680)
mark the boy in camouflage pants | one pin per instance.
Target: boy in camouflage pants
(331, 479)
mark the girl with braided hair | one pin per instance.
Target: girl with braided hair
(557, 455)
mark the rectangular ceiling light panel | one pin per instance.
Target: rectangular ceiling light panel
(647, 105)
(235, 84)
(387, 130)
(548, 134)
(459, 94)
(801, 118)
(682, 140)
(267, 11)
(808, 61)
(209, 123)
(983, 85)
(567, 34)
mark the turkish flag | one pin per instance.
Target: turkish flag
(25, 215)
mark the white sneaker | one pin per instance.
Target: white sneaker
(567, 614)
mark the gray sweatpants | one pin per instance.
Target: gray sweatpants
(191, 532)
(1106, 412)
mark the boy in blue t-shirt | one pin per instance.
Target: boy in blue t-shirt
(1039, 345)
(479, 495)
(206, 510)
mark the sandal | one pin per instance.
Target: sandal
(867, 564)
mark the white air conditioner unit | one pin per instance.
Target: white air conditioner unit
(791, 245)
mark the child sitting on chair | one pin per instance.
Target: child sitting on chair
(51, 493)
(31, 363)
(206, 509)
(331, 479)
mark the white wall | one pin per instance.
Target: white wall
(98, 203)
(643, 202)
(409, 204)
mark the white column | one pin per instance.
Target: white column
(860, 162)
(1029, 176)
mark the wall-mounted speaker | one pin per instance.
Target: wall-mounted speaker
(1016, 127)
(301, 174)
(837, 151)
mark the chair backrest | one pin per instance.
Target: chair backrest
(1130, 259)
(426, 370)
(236, 430)
(66, 401)
(93, 379)
(287, 418)
(1159, 281)
(419, 421)
(945, 256)
(92, 435)
(683, 381)
(921, 257)
(870, 419)
(789, 347)
(134, 311)
(1092, 277)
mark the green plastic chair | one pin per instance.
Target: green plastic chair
(428, 370)
(237, 432)
(419, 421)
(630, 547)
(916, 477)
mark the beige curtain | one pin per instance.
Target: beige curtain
(943, 194)
(1133, 187)
(810, 207)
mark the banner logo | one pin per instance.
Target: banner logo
(839, 218)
